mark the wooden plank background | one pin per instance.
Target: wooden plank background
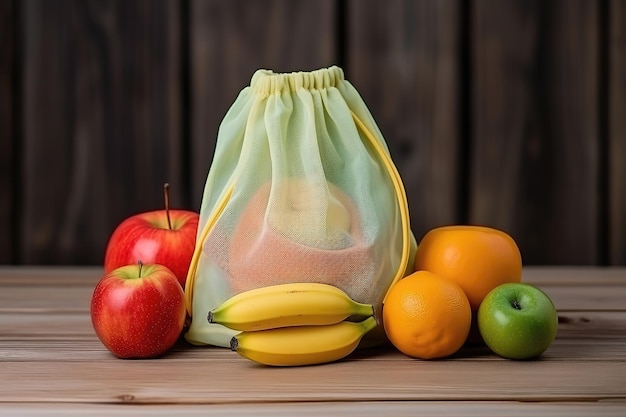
(7, 132)
(507, 113)
(616, 112)
(535, 133)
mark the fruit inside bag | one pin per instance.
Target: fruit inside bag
(301, 189)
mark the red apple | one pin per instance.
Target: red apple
(165, 237)
(138, 311)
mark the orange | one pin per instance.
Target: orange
(426, 316)
(477, 258)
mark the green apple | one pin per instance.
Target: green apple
(517, 321)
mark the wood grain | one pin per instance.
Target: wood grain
(229, 41)
(617, 132)
(242, 381)
(79, 347)
(53, 363)
(330, 408)
(534, 150)
(101, 122)
(7, 132)
(403, 57)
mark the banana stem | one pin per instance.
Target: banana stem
(234, 344)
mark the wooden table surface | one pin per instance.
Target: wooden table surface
(52, 364)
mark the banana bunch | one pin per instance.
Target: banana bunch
(294, 324)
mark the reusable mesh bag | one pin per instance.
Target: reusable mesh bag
(301, 189)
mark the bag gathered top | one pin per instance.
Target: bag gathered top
(301, 189)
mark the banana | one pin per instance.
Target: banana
(310, 213)
(286, 305)
(302, 345)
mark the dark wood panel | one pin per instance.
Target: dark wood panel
(7, 166)
(403, 57)
(102, 117)
(535, 126)
(617, 132)
(101, 121)
(230, 40)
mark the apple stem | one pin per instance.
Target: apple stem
(140, 264)
(516, 305)
(166, 193)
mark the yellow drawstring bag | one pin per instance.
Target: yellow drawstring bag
(301, 189)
